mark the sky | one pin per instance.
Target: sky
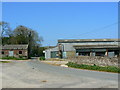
(64, 20)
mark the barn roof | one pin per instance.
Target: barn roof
(86, 40)
(95, 46)
(15, 46)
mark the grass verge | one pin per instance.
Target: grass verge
(94, 67)
(13, 58)
(4, 61)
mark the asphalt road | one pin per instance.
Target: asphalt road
(34, 74)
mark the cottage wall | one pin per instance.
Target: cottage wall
(16, 53)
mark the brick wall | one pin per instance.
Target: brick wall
(16, 53)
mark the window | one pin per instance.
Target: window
(84, 53)
(20, 52)
(2, 52)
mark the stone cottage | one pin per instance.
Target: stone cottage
(15, 50)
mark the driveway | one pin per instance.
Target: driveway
(35, 74)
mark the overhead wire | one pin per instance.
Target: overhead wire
(97, 30)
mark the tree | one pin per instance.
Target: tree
(38, 51)
(24, 35)
(6, 30)
(5, 33)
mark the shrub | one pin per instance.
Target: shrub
(94, 67)
(20, 56)
(42, 58)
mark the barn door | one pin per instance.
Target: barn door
(54, 54)
(11, 53)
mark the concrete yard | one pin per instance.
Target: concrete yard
(35, 74)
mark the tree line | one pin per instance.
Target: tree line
(22, 35)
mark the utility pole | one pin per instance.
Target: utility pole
(29, 45)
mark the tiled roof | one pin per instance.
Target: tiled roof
(15, 46)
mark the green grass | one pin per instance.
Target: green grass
(42, 58)
(4, 61)
(94, 67)
(13, 58)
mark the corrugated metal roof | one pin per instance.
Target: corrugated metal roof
(87, 40)
(95, 46)
(14, 46)
(52, 49)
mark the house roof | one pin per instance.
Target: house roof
(87, 40)
(14, 46)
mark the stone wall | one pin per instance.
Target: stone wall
(97, 60)
(70, 54)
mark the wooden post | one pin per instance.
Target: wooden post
(106, 52)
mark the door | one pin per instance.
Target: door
(111, 54)
(64, 55)
(11, 53)
(54, 54)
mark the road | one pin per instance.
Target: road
(34, 74)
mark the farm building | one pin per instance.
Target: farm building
(15, 50)
(84, 47)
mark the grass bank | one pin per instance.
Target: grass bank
(13, 58)
(94, 67)
(4, 61)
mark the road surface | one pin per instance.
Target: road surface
(35, 74)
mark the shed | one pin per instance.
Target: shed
(15, 50)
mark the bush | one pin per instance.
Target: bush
(42, 58)
(21, 57)
(94, 67)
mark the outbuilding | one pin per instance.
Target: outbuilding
(14, 51)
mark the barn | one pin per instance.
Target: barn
(84, 47)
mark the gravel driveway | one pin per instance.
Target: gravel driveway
(35, 74)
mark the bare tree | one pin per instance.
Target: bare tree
(5, 29)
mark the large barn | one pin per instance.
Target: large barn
(84, 47)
